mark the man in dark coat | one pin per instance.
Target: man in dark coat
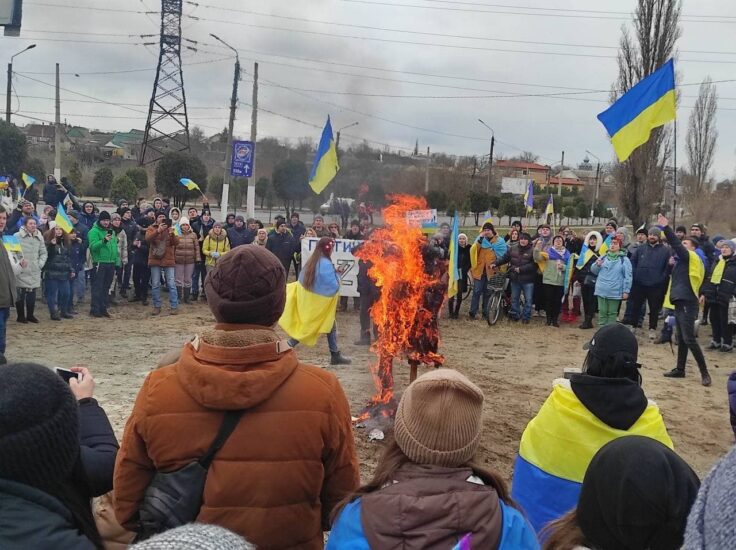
(9, 268)
(650, 263)
(238, 234)
(282, 244)
(53, 192)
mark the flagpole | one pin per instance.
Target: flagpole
(674, 198)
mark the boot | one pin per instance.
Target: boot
(123, 293)
(65, 315)
(337, 358)
(588, 323)
(20, 308)
(144, 300)
(134, 298)
(55, 316)
(675, 373)
(156, 311)
(174, 312)
(365, 339)
(705, 378)
(554, 321)
(195, 297)
(549, 320)
(187, 293)
(180, 292)
(30, 306)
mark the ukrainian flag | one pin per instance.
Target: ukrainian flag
(550, 207)
(569, 270)
(648, 105)
(325, 166)
(454, 268)
(27, 179)
(557, 447)
(62, 220)
(12, 244)
(529, 196)
(309, 313)
(189, 184)
(605, 246)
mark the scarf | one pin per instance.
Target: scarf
(718, 272)
(555, 254)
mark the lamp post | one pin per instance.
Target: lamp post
(10, 80)
(231, 123)
(343, 217)
(337, 139)
(597, 185)
(490, 156)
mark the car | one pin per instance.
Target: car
(330, 207)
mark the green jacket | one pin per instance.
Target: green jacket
(102, 252)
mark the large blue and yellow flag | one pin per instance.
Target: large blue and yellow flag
(62, 220)
(557, 447)
(325, 166)
(529, 196)
(454, 267)
(309, 313)
(649, 104)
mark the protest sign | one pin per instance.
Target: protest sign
(342, 256)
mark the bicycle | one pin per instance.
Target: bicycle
(469, 281)
(496, 286)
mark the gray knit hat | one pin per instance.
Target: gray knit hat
(195, 536)
(712, 520)
(438, 421)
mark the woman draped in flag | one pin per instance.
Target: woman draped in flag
(581, 415)
(427, 492)
(553, 278)
(311, 302)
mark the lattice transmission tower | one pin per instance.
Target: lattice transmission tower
(167, 127)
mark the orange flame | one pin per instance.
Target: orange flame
(406, 322)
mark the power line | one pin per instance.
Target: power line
(126, 71)
(558, 15)
(93, 8)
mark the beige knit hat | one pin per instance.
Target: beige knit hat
(438, 421)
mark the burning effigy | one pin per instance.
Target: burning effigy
(411, 274)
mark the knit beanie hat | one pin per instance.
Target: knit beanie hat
(39, 426)
(655, 231)
(104, 215)
(115, 216)
(195, 536)
(729, 244)
(712, 520)
(247, 286)
(438, 421)
(184, 221)
(636, 493)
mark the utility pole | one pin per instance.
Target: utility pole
(231, 123)
(9, 88)
(559, 176)
(597, 187)
(490, 165)
(251, 196)
(57, 131)
(426, 175)
(674, 183)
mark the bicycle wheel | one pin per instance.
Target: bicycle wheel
(469, 291)
(494, 308)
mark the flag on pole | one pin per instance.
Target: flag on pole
(529, 196)
(454, 267)
(550, 207)
(12, 243)
(325, 166)
(189, 184)
(585, 254)
(649, 104)
(62, 220)
(605, 246)
(27, 179)
(569, 270)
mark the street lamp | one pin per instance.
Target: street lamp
(10, 80)
(490, 156)
(231, 124)
(337, 140)
(597, 185)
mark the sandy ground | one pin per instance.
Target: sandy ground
(513, 364)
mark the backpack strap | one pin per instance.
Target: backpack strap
(229, 422)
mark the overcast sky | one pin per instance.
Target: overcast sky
(461, 49)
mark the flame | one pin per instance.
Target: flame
(410, 299)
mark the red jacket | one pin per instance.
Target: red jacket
(289, 461)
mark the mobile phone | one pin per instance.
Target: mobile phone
(109, 231)
(66, 374)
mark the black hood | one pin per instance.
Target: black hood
(618, 402)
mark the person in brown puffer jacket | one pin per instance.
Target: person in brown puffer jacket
(186, 254)
(290, 459)
(161, 245)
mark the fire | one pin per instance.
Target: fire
(411, 296)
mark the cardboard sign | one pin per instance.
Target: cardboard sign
(422, 219)
(342, 256)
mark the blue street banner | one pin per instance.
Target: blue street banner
(243, 155)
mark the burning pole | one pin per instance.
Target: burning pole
(410, 297)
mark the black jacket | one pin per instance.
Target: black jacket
(52, 194)
(650, 264)
(722, 292)
(681, 289)
(58, 265)
(239, 237)
(98, 448)
(283, 245)
(521, 258)
(709, 249)
(31, 518)
(140, 252)
(31, 194)
(130, 228)
(463, 259)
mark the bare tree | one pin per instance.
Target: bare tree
(641, 178)
(701, 138)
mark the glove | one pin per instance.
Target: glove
(215, 255)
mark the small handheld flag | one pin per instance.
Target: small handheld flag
(605, 246)
(550, 207)
(189, 184)
(649, 104)
(177, 230)
(325, 166)
(529, 196)
(62, 220)
(12, 244)
(3, 182)
(27, 179)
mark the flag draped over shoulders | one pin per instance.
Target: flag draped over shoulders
(557, 447)
(309, 313)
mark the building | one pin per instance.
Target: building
(125, 145)
(539, 173)
(40, 134)
(568, 179)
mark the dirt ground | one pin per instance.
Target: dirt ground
(513, 364)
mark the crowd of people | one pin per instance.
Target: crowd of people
(270, 440)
